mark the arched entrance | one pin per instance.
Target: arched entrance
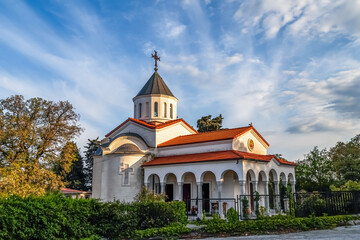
(189, 189)
(170, 186)
(209, 190)
(154, 183)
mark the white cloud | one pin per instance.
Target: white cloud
(306, 17)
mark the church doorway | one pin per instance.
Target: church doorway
(187, 195)
(169, 192)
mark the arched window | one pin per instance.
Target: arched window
(156, 109)
(165, 110)
(171, 111)
(147, 109)
(140, 108)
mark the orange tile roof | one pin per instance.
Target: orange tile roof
(212, 156)
(69, 190)
(152, 125)
(209, 136)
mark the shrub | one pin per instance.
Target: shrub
(232, 216)
(58, 217)
(278, 223)
(312, 204)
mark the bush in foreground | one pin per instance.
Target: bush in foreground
(58, 217)
(277, 224)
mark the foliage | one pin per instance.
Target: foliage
(291, 201)
(146, 196)
(348, 186)
(232, 216)
(278, 223)
(91, 147)
(206, 123)
(74, 179)
(313, 204)
(245, 207)
(314, 172)
(170, 232)
(346, 160)
(257, 199)
(58, 217)
(322, 168)
(32, 134)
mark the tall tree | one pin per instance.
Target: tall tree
(346, 160)
(33, 133)
(314, 172)
(91, 147)
(74, 179)
(206, 123)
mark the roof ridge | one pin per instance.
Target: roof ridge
(208, 132)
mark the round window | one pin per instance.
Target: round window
(250, 144)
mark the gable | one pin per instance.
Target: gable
(241, 143)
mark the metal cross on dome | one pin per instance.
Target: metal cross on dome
(156, 57)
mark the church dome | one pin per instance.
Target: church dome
(155, 85)
(155, 102)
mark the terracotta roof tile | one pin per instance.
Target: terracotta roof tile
(69, 190)
(212, 156)
(151, 125)
(209, 136)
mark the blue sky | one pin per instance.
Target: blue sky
(292, 68)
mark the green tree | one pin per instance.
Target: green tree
(314, 172)
(33, 133)
(75, 179)
(206, 123)
(346, 160)
(91, 147)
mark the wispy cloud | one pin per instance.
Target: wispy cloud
(290, 67)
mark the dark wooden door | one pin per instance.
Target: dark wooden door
(206, 196)
(169, 191)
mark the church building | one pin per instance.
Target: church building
(156, 149)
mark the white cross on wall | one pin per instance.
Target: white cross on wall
(126, 173)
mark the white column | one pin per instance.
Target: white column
(266, 193)
(277, 198)
(254, 184)
(200, 200)
(293, 190)
(221, 213)
(180, 191)
(162, 188)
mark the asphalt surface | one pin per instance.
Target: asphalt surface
(343, 233)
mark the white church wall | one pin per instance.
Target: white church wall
(241, 143)
(195, 148)
(113, 186)
(170, 132)
(97, 176)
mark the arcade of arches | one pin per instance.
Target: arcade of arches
(190, 187)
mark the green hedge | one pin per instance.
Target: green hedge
(276, 224)
(58, 217)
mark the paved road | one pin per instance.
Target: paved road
(343, 233)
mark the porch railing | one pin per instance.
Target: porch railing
(209, 206)
(298, 204)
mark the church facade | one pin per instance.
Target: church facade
(157, 150)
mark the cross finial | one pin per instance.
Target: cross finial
(155, 56)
